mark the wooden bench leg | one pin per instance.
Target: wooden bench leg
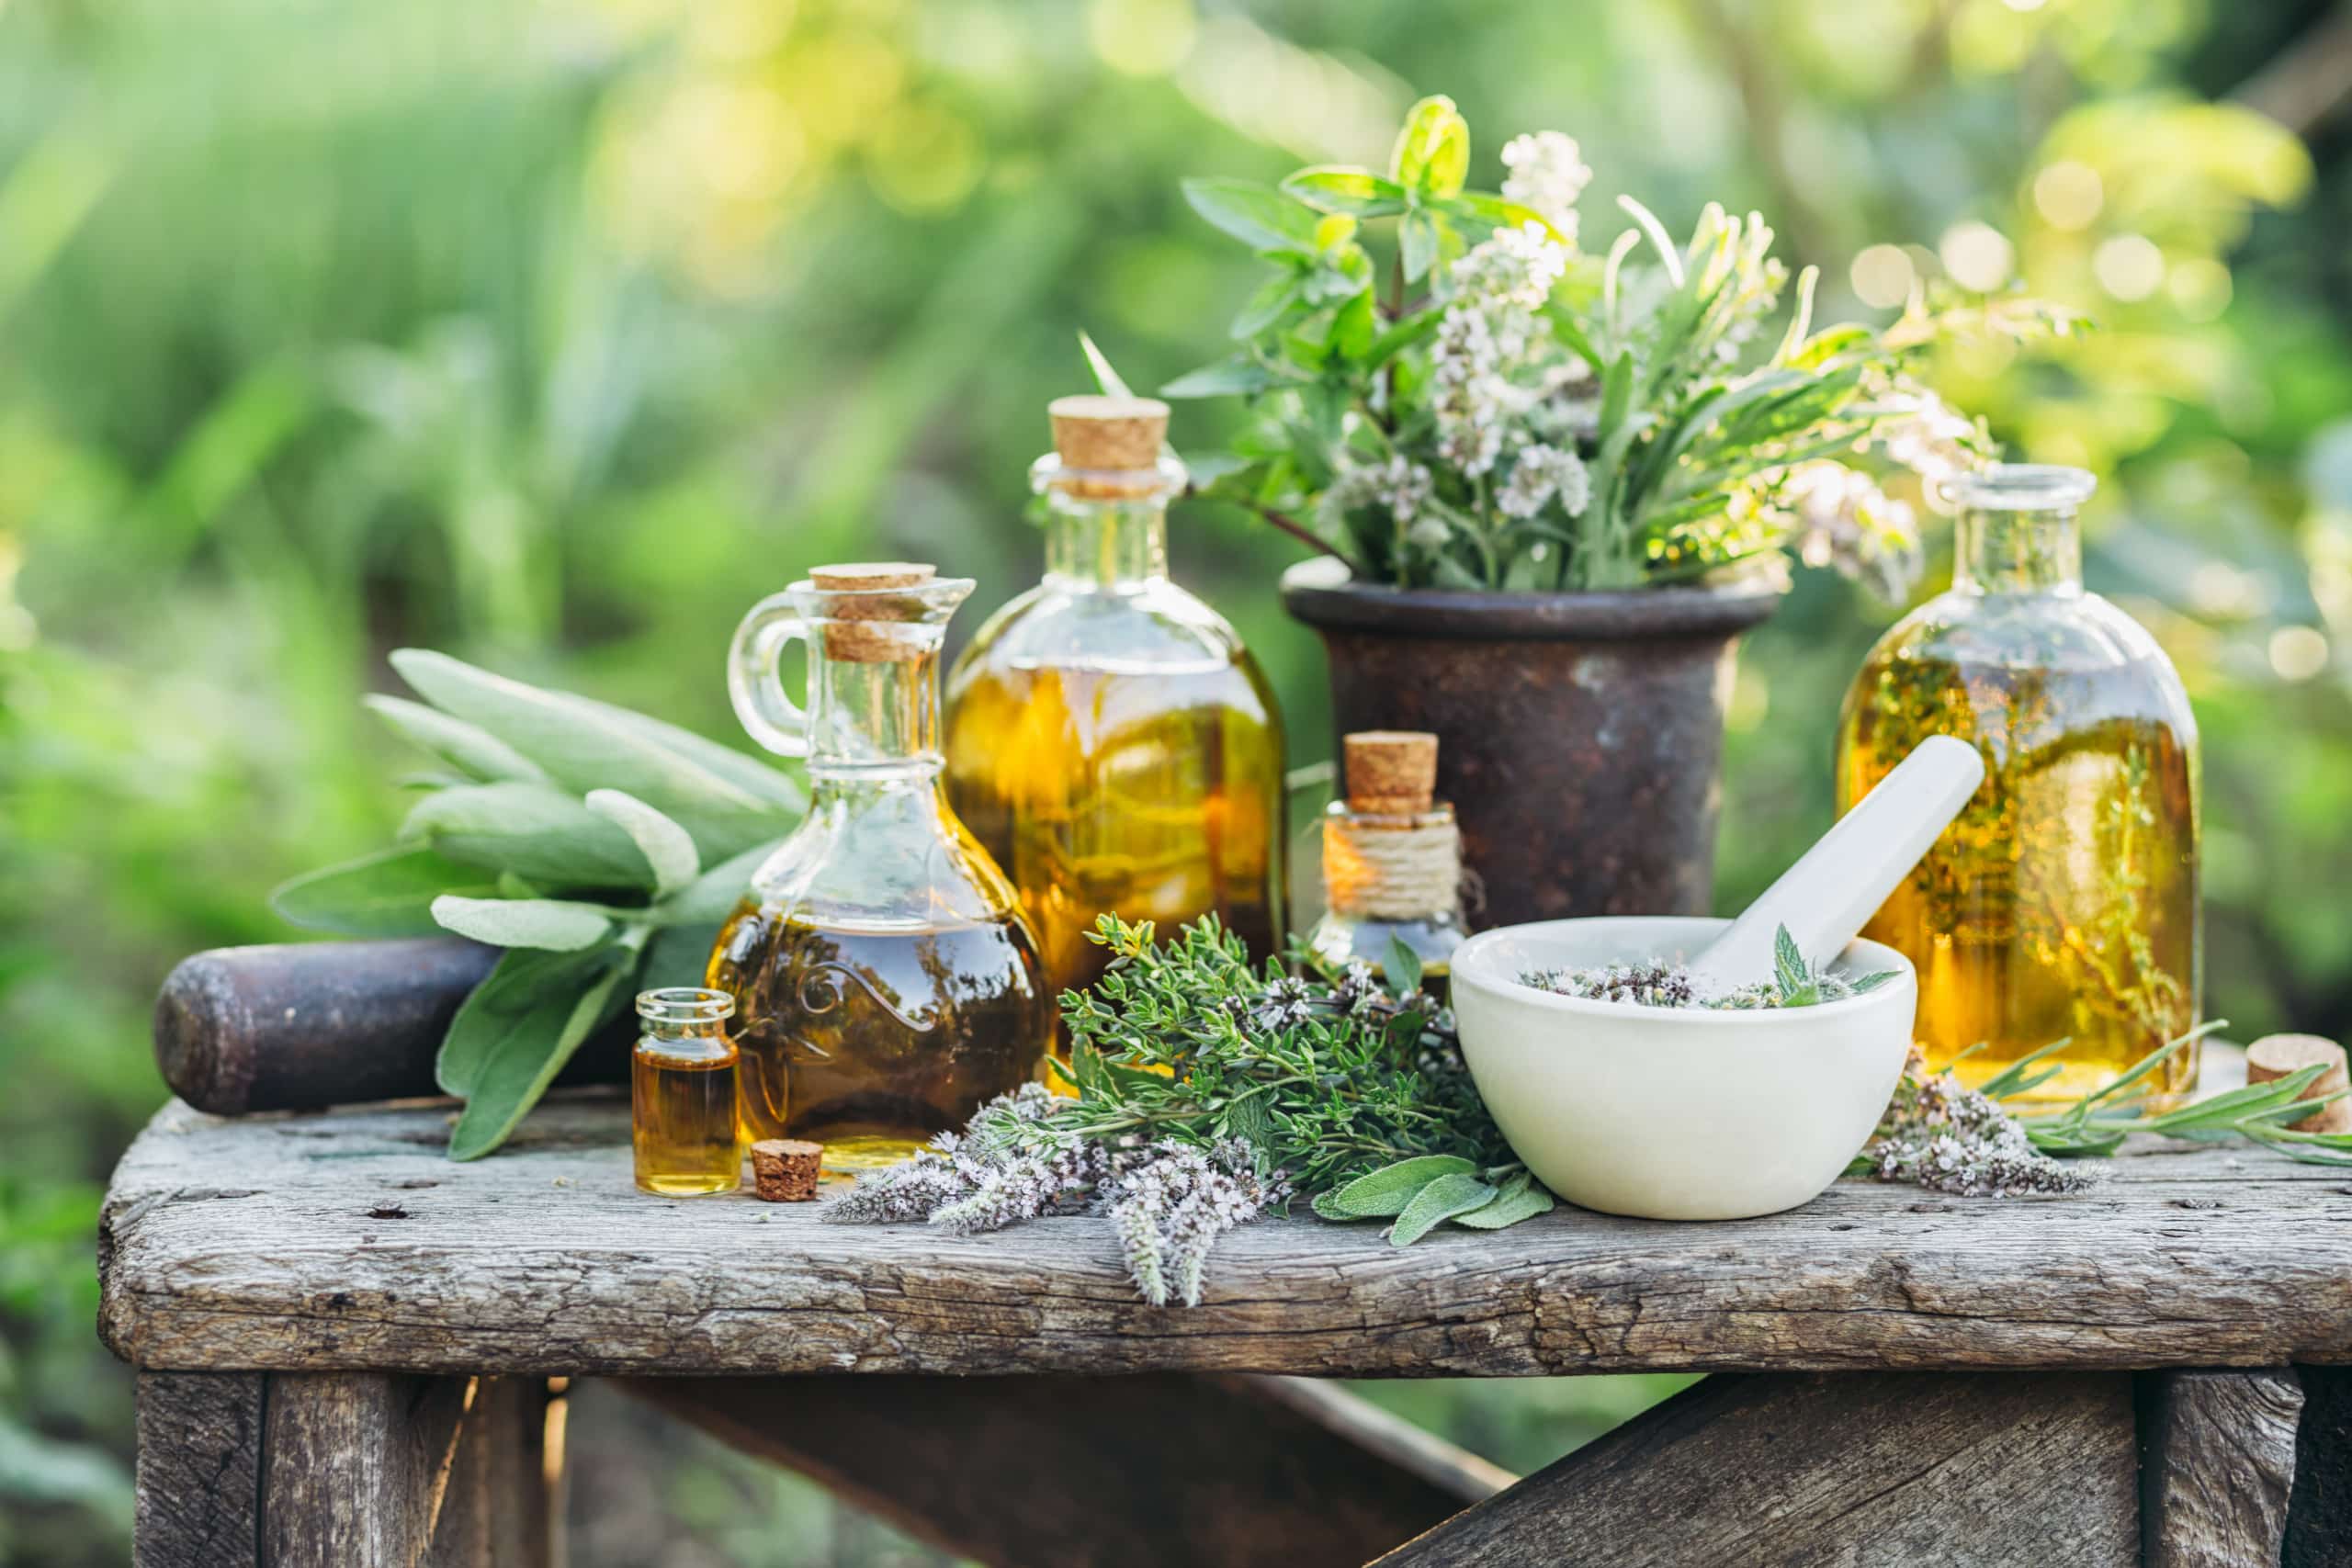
(360, 1470)
(2217, 1462)
(2319, 1512)
(1860, 1470)
(1148, 1470)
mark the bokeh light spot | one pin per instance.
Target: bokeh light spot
(2298, 653)
(1882, 275)
(2069, 194)
(2198, 288)
(1142, 38)
(2128, 267)
(1978, 256)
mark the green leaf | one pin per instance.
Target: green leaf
(1356, 192)
(1416, 245)
(1261, 217)
(550, 923)
(1353, 328)
(678, 956)
(525, 978)
(667, 848)
(388, 893)
(1432, 153)
(1327, 1206)
(1790, 971)
(515, 1048)
(529, 829)
(472, 749)
(1112, 383)
(1873, 981)
(1388, 1190)
(1436, 1203)
(1521, 1199)
(1403, 966)
(585, 745)
(1493, 212)
(1226, 378)
(712, 897)
(1401, 336)
(1266, 307)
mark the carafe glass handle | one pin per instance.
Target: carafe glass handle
(754, 684)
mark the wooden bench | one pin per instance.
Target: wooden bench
(352, 1352)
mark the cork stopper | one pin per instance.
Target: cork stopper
(1391, 772)
(1097, 437)
(2274, 1056)
(785, 1170)
(852, 634)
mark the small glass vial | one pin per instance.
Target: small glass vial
(1392, 861)
(681, 1094)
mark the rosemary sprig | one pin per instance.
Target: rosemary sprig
(2099, 1122)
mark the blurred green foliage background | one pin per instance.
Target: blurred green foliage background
(553, 331)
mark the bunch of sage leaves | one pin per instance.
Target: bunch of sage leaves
(599, 847)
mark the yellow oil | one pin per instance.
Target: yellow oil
(875, 1041)
(683, 1123)
(2063, 902)
(1151, 795)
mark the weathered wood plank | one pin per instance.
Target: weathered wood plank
(2319, 1511)
(2217, 1461)
(345, 1241)
(1856, 1471)
(355, 1466)
(200, 1466)
(498, 1508)
(1068, 1471)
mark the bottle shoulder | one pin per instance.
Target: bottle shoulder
(1157, 629)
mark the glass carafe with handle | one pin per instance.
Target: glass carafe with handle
(885, 980)
(2062, 902)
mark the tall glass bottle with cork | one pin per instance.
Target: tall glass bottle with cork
(1109, 738)
(1392, 861)
(2062, 904)
(885, 980)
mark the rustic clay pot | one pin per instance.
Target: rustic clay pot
(1580, 734)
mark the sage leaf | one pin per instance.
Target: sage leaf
(1522, 1198)
(549, 923)
(668, 848)
(525, 978)
(582, 745)
(1388, 1191)
(712, 897)
(388, 893)
(532, 830)
(677, 955)
(472, 750)
(1437, 1202)
(524, 1050)
(777, 790)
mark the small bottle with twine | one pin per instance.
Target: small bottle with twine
(1392, 861)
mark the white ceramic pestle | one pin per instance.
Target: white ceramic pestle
(1827, 895)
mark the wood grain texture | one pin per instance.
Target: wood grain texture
(2217, 1464)
(199, 1485)
(1892, 1470)
(2319, 1512)
(344, 1240)
(1158, 1471)
(355, 1466)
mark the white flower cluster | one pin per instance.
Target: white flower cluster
(1170, 1207)
(1929, 437)
(1401, 485)
(1541, 475)
(1487, 340)
(1947, 1138)
(1548, 173)
(1842, 519)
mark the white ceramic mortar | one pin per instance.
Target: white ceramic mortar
(1675, 1114)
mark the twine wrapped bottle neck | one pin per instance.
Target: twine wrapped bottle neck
(1383, 867)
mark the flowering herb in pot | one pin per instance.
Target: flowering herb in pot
(1485, 405)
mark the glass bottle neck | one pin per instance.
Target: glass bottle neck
(2004, 551)
(1118, 545)
(872, 722)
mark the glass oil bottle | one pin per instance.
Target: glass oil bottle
(681, 1094)
(1392, 861)
(885, 979)
(1109, 738)
(2062, 904)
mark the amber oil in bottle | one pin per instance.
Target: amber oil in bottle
(1110, 741)
(683, 1118)
(2062, 902)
